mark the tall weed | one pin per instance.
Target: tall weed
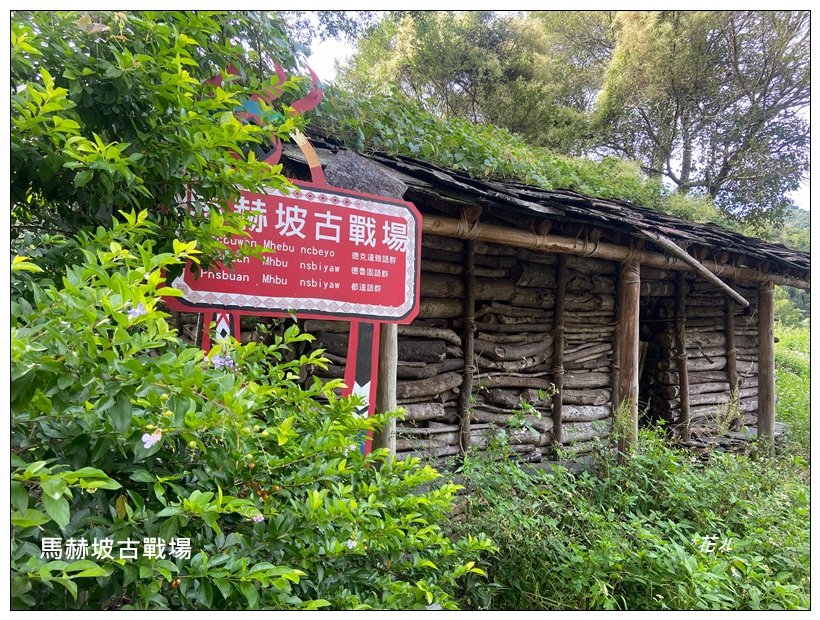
(660, 530)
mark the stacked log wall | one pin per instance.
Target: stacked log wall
(590, 329)
(514, 338)
(708, 354)
(658, 325)
(515, 363)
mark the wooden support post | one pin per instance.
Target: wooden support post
(629, 292)
(731, 360)
(765, 360)
(680, 343)
(386, 386)
(558, 351)
(466, 394)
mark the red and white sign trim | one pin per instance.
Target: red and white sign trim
(337, 253)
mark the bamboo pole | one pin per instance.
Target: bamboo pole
(386, 386)
(765, 411)
(683, 373)
(696, 266)
(629, 292)
(558, 350)
(449, 227)
(469, 346)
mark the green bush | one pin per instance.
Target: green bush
(119, 431)
(635, 535)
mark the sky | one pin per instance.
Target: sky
(326, 53)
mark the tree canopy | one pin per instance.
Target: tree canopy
(711, 102)
(115, 110)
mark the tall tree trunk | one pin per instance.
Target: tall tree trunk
(686, 159)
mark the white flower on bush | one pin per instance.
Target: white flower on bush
(220, 361)
(139, 311)
(153, 438)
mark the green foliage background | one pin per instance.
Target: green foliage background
(264, 476)
(109, 112)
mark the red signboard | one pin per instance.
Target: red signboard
(336, 253)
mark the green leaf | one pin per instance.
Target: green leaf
(68, 585)
(20, 263)
(82, 178)
(224, 587)
(57, 509)
(205, 595)
(121, 413)
(19, 496)
(54, 487)
(285, 431)
(250, 593)
(141, 475)
(315, 604)
(91, 478)
(28, 518)
(170, 511)
(85, 568)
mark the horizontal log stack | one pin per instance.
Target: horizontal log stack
(514, 340)
(589, 337)
(513, 352)
(511, 342)
(657, 323)
(515, 366)
(718, 351)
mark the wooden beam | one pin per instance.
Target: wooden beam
(386, 385)
(696, 266)
(629, 293)
(466, 395)
(449, 227)
(683, 372)
(558, 351)
(765, 360)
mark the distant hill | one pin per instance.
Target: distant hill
(798, 218)
(796, 230)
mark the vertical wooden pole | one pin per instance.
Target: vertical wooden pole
(731, 359)
(558, 351)
(386, 387)
(466, 394)
(629, 291)
(683, 371)
(765, 360)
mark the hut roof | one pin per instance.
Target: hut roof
(427, 179)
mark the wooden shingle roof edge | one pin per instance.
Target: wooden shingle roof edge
(613, 214)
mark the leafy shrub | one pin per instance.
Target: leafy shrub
(636, 535)
(112, 110)
(119, 431)
(792, 366)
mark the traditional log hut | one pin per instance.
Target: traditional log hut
(543, 312)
